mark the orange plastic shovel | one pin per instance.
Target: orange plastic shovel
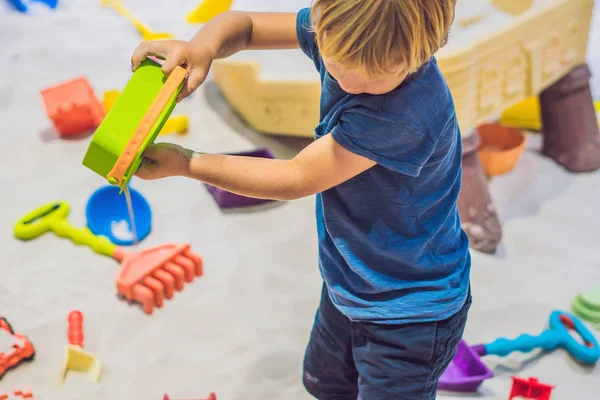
(148, 276)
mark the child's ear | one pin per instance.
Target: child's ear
(445, 40)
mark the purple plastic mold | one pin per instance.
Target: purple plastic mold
(227, 199)
(466, 371)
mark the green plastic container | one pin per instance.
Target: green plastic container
(587, 305)
(122, 120)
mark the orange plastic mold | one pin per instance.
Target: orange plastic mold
(500, 148)
(150, 276)
(73, 107)
(22, 349)
(24, 394)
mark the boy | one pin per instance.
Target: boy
(386, 171)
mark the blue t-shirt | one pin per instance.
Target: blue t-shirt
(391, 248)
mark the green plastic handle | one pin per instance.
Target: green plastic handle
(52, 217)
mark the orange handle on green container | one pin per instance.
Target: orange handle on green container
(133, 122)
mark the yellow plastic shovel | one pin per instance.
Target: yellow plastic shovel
(144, 30)
(207, 10)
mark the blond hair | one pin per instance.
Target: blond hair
(381, 36)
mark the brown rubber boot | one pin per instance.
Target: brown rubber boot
(570, 125)
(477, 213)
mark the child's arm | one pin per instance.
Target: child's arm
(233, 31)
(221, 37)
(320, 166)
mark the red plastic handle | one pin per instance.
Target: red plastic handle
(75, 332)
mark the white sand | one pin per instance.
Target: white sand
(240, 330)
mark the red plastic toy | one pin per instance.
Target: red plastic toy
(530, 388)
(73, 107)
(75, 331)
(22, 349)
(24, 394)
(211, 396)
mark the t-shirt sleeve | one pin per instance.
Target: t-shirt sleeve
(383, 138)
(306, 36)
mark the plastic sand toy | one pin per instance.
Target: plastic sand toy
(587, 305)
(561, 324)
(527, 114)
(227, 199)
(134, 121)
(76, 359)
(464, 373)
(109, 98)
(107, 215)
(529, 388)
(18, 394)
(147, 277)
(207, 10)
(500, 148)
(178, 124)
(20, 350)
(19, 5)
(73, 107)
(143, 29)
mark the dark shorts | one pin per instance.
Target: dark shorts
(350, 360)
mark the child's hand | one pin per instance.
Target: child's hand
(162, 160)
(196, 59)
